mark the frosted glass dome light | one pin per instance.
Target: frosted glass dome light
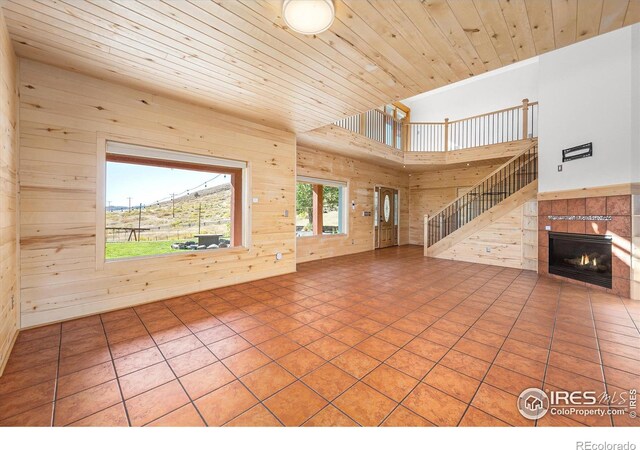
(308, 16)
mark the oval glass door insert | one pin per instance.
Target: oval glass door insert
(387, 208)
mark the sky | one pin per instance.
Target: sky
(149, 184)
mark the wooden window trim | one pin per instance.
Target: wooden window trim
(402, 106)
(236, 205)
(317, 208)
(144, 161)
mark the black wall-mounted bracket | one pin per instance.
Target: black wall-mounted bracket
(580, 151)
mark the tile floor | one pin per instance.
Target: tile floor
(380, 338)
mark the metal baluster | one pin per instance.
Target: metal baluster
(504, 125)
(472, 134)
(484, 195)
(435, 144)
(457, 143)
(474, 125)
(467, 134)
(428, 137)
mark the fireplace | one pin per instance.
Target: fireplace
(583, 257)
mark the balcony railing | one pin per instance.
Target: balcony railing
(376, 125)
(497, 127)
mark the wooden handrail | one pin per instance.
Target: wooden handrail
(384, 114)
(513, 108)
(506, 164)
(476, 116)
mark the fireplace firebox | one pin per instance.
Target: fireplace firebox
(583, 257)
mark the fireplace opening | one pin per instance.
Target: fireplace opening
(583, 257)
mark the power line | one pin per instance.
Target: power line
(186, 191)
(174, 196)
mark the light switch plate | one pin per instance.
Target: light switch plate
(547, 227)
(255, 199)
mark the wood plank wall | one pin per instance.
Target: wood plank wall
(63, 116)
(361, 177)
(432, 190)
(509, 239)
(9, 295)
(530, 235)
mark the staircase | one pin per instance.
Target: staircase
(507, 187)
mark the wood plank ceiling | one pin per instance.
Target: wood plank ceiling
(237, 56)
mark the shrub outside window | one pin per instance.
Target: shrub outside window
(320, 207)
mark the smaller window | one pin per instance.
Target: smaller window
(398, 111)
(376, 201)
(320, 207)
(332, 207)
(396, 209)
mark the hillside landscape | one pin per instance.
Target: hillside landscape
(169, 222)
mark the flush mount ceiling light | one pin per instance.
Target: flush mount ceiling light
(308, 16)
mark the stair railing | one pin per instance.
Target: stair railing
(505, 181)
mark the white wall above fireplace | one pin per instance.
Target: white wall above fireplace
(589, 93)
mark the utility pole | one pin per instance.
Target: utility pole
(109, 207)
(173, 205)
(199, 213)
(129, 203)
(139, 220)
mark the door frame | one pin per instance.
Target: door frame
(376, 242)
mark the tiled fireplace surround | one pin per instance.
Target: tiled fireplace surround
(618, 207)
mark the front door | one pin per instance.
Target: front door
(386, 209)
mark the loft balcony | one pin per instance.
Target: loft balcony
(379, 136)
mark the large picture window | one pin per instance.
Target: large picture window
(320, 207)
(159, 202)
